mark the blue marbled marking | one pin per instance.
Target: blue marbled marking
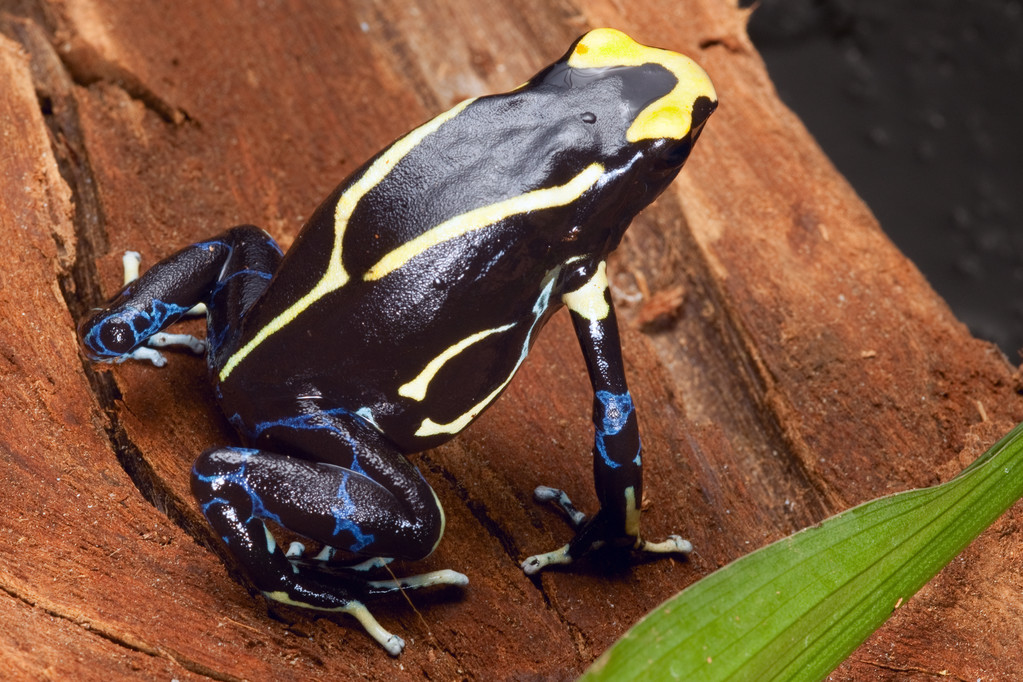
(342, 511)
(238, 478)
(312, 422)
(222, 282)
(270, 240)
(617, 409)
(211, 503)
(342, 518)
(140, 323)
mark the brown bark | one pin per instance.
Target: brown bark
(797, 363)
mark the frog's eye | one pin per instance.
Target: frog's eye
(589, 117)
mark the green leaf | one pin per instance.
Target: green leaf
(797, 608)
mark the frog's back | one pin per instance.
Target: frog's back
(391, 271)
(442, 254)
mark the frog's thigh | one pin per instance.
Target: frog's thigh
(239, 489)
(231, 485)
(395, 489)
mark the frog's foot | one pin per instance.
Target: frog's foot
(391, 642)
(313, 574)
(673, 544)
(313, 590)
(318, 562)
(148, 352)
(591, 535)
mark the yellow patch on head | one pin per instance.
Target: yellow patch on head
(670, 116)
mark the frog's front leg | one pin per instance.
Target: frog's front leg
(358, 494)
(617, 453)
(228, 272)
(131, 261)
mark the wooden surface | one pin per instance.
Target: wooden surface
(786, 360)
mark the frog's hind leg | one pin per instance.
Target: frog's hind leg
(377, 505)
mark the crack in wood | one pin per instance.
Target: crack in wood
(60, 112)
(482, 516)
(759, 382)
(119, 639)
(743, 399)
(80, 281)
(82, 62)
(87, 66)
(477, 508)
(911, 669)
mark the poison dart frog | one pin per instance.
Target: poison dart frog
(404, 308)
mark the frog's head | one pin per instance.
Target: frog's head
(665, 96)
(634, 110)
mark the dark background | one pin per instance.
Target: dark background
(918, 104)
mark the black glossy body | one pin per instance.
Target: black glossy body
(405, 307)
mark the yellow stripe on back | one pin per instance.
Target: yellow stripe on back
(484, 216)
(671, 116)
(432, 428)
(336, 276)
(416, 389)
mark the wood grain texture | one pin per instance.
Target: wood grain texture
(787, 361)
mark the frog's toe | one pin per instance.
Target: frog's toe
(130, 261)
(394, 645)
(536, 563)
(414, 582)
(391, 642)
(673, 544)
(545, 493)
(186, 342)
(145, 354)
(296, 552)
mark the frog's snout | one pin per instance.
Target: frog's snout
(682, 112)
(702, 109)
